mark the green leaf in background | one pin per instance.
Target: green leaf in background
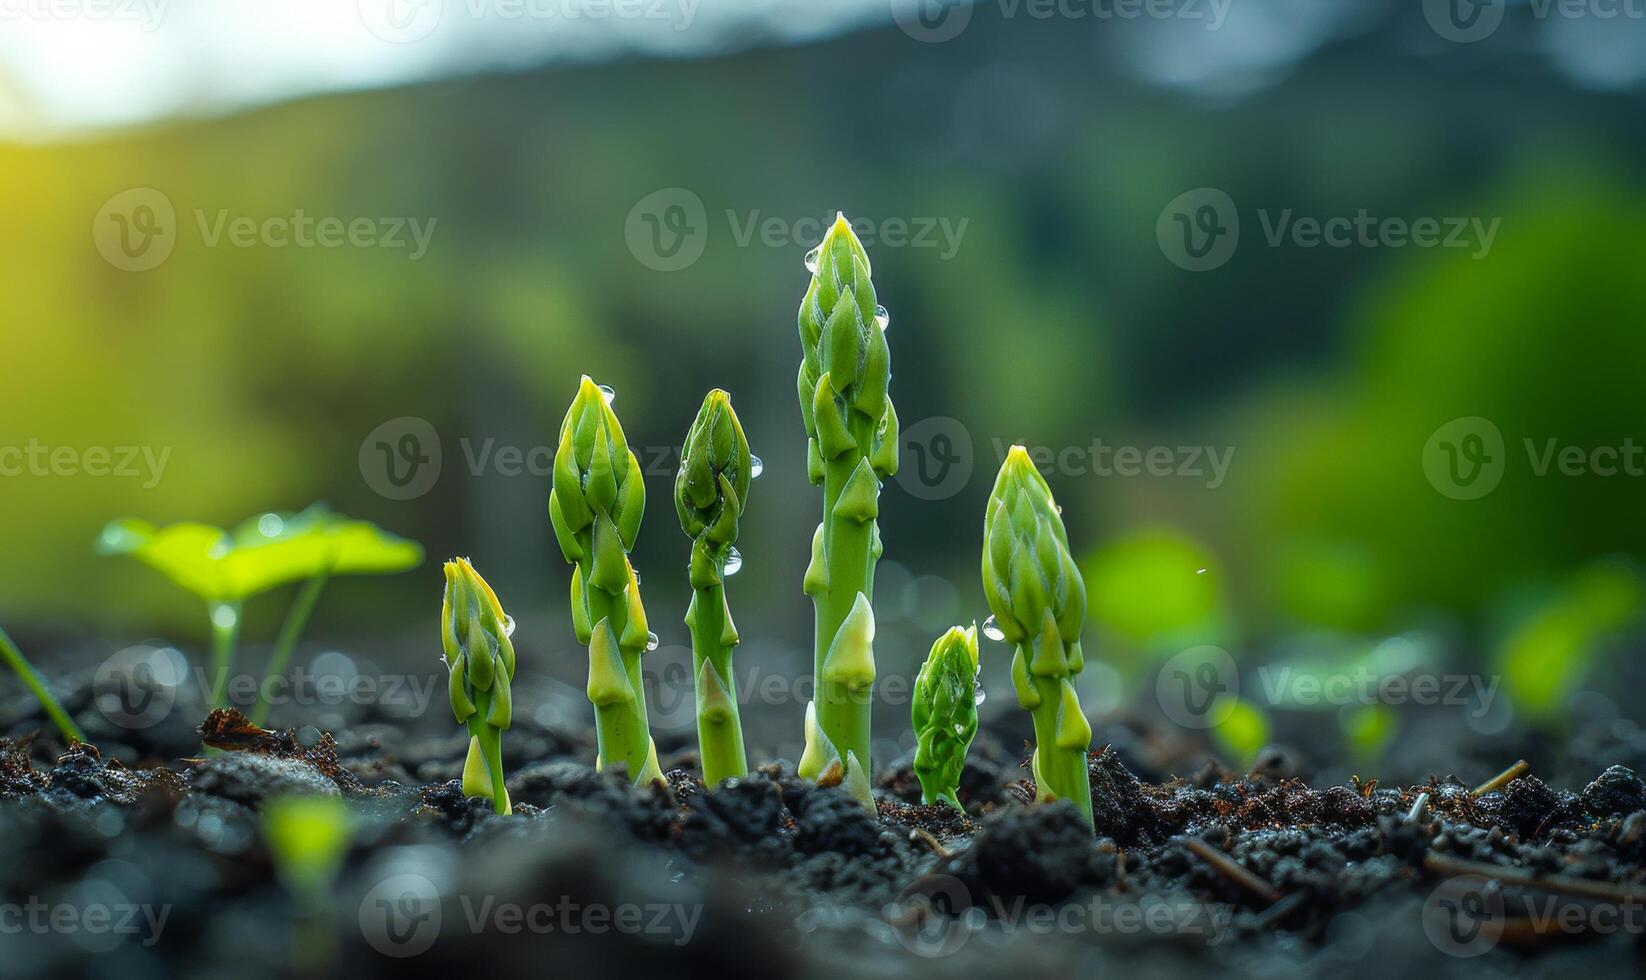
(1156, 587)
(1242, 733)
(1369, 728)
(1545, 658)
(264, 552)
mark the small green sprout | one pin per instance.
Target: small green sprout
(598, 497)
(1241, 733)
(1039, 603)
(945, 714)
(308, 837)
(710, 493)
(37, 685)
(851, 445)
(474, 634)
(225, 568)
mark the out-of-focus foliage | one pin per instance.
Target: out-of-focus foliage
(1552, 650)
(1241, 732)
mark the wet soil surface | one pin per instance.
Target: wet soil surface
(769, 875)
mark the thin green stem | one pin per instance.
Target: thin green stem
(1060, 772)
(621, 729)
(35, 683)
(842, 711)
(491, 748)
(297, 618)
(225, 635)
(719, 726)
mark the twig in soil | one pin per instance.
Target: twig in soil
(1232, 870)
(1120, 872)
(1280, 910)
(932, 842)
(1418, 807)
(1503, 778)
(1605, 891)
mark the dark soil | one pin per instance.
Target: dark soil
(770, 875)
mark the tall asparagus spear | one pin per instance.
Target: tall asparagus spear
(474, 634)
(851, 431)
(710, 493)
(595, 507)
(1039, 603)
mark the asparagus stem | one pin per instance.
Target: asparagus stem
(719, 725)
(944, 713)
(225, 636)
(37, 685)
(474, 635)
(297, 617)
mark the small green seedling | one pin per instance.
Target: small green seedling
(226, 568)
(851, 445)
(37, 685)
(598, 497)
(710, 492)
(474, 634)
(1039, 603)
(308, 837)
(945, 715)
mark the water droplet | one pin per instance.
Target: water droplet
(508, 625)
(270, 525)
(651, 642)
(757, 466)
(811, 259)
(992, 630)
(978, 695)
(219, 550)
(882, 318)
(609, 392)
(224, 617)
(1200, 571)
(734, 562)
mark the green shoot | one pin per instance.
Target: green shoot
(308, 838)
(851, 430)
(1039, 603)
(37, 685)
(945, 715)
(598, 498)
(474, 634)
(226, 568)
(710, 493)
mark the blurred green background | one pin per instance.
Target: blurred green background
(1055, 317)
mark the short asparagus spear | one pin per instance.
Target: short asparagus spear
(596, 504)
(1039, 603)
(710, 493)
(475, 635)
(945, 715)
(851, 431)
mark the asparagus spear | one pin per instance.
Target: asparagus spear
(596, 504)
(1039, 604)
(474, 633)
(851, 431)
(945, 714)
(710, 493)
